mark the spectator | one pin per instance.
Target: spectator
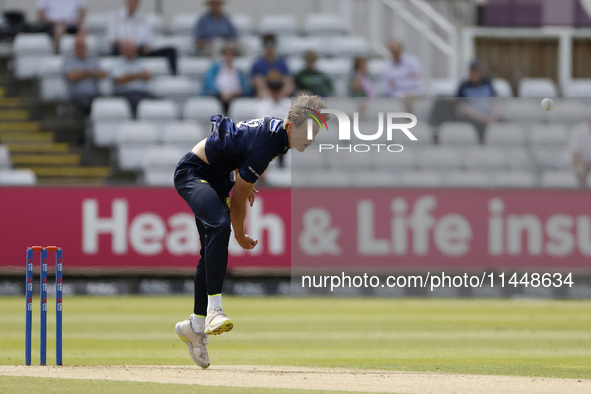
(129, 23)
(268, 65)
(82, 73)
(275, 104)
(361, 84)
(59, 17)
(477, 104)
(224, 80)
(212, 25)
(130, 76)
(311, 81)
(402, 77)
(580, 149)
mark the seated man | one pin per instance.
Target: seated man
(82, 73)
(477, 105)
(129, 23)
(212, 25)
(130, 76)
(61, 17)
(402, 76)
(270, 63)
(310, 80)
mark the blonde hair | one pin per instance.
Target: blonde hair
(298, 113)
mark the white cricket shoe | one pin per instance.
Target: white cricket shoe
(197, 343)
(217, 322)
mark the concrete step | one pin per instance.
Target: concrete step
(20, 126)
(77, 181)
(33, 147)
(20, 137)
(14, 114)
(69, 171)
(50, 159)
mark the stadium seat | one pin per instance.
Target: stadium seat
(569, 112)
(384, 105)
(243, 108)
(421, 179)
(184, 24)
(522, 110)
(27, 49)
(328, 179)
(159, 163)
(578, 88)
(17, 178)
(552, 158)
(395, 162)
(250, 46)
(53, 88)
(502, 87)
(243, 23)
(347, 47)
(537, 88)
(335, 67)
(514, 179)
(202, 108)
(194, 67)
(377, 179)
(5, 161)
(157, 22)
(375, 68)
(295, 63)
(548, 134)
(281, 25)
(158, 110)
(278, 177)
(439, 158)
(485, 159)
(178, 88)
(472, 179)
(133, 139)
(294, 46)
(50, 65)
(97, 23)
(349, 161)
(244, 64)
(106, 114)
(509, 134)
(156, 66)
(519, 158)
(562, 179)
(458, 133)
(182, 44)
(324, 25)
(93, 47)
(443, 87)
(183, 135)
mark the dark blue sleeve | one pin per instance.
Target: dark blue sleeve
(282, 66)
(259, 68)
(232, 33)
(201, 28)
(461, 90)
(253, 167)
(492, 88)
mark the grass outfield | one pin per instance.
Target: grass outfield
(502, 337)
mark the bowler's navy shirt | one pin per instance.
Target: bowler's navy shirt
(248, 146)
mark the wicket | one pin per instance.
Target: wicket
(43, 300)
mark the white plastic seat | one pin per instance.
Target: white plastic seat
(243, 108)
(182, 135)
(569, 112)
(32, 44)
(183, 44)
(502, 87)
(443, 87)
(178, 88)
(350, 161)
(347, 46)
(294, 46)
(324, 25)
(278, 177)
(157, 110)
(161, 157)
(548, 134)
(379, 179)
(560, 179)
(53, 88)
(156, 66)
(194, 67)
(514, 179)
(157, 22)
(476, 179)
(458, 133)
(5, 161)
(552, 158)
(106, 115)
(202, 108)
(439, 158)
(509, 134)
(486, 159)
(375, 69)
(330, 179)
(133, 139)
(522, 110)
(67, 45)
(281, 25)
(384, 105)
(50, 66)
(578, 88)
(335, 67)
(309, 160)
(250, 46)
(97, 23)
(427, 179)
(537, 87)
(395, 162)
(183, 24)
(519, 158)
(17, 178)
(243, 24)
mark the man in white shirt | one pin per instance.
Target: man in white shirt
(61, 17)
(580, 148)
(130, 76)
(129, 23)
(402, 76)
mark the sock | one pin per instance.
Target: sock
(198, 323)
(214, 301)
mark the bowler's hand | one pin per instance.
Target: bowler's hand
(247, 242)
(252, 196)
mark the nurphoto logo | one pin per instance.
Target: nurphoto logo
(344, 132)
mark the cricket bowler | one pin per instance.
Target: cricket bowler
(233, 157)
